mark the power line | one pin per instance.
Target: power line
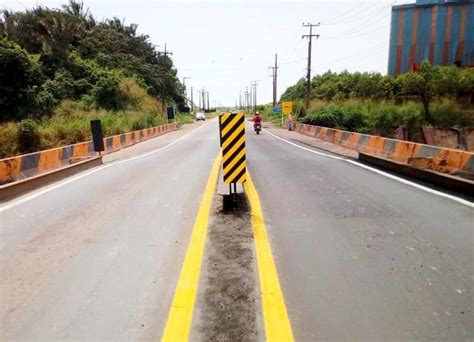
(294, 61)
(297, 47)
(362, 53)
(369, 14)
(358, 8)
(354, 32)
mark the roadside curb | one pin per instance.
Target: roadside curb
(449, 182)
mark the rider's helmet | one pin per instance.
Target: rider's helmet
(257, 113)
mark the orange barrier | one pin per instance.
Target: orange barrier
(440, 159)
(32, 164)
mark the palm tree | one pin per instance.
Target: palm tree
(58, 30)
(76, 9)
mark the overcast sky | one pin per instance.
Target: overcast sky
(224, 45)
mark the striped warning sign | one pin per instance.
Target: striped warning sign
(232, 134)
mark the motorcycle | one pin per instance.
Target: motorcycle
(257, 127)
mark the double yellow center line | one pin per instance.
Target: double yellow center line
(180, 315)
(275, 317)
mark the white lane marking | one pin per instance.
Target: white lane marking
(36, 194)
(388, 175)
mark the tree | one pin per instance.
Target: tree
(77, 56)
(466, 84)
(295, 92)
(17, 74)
(424, 85)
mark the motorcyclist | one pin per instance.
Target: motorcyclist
(257, 119)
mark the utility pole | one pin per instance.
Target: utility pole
(246, 98)
(165, 53)
(199, 108)
(184, 89)
(308, 75)
(192, 103)
(274, 75)
(207, 93)
(251, 96)
(202, 103)
(254, 84)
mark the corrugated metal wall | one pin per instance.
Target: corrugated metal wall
(441, 33)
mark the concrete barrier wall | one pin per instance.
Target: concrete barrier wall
(32, 164)
(462, 138)
(445, 160)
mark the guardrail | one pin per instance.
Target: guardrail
(439, 159)
(29, 165)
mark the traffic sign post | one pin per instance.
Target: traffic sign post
(232, 137)
(97, 136)
(287, 108)
(170, 114)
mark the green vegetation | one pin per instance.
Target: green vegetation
(60, 68)
(372, 103)
(184, 118)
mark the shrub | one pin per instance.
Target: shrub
(8, 139)
(383, 120)
(410, 114)
(331, 117)
(28, 136)
(66, 108)
(448, 113)
(299, 109)
(354, 120)
(17, 75)
(106, 92)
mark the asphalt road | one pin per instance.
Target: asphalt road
(359, 255)
(362, 256)
(99, 258)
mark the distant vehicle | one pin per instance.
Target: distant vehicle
(200, 116)
(257, 127)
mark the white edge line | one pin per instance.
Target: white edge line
(388, 175)
(26, 198)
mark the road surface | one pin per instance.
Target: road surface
(362, 256)
(359, 255)
(99, 258)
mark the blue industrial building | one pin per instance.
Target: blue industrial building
(441, 31)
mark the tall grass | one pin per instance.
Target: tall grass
(382, 117)
(70, 121)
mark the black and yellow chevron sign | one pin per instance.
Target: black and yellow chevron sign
(232, 134)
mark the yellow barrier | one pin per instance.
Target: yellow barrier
(28, 165)
(430, 157)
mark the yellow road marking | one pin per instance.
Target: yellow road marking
(275, 316)
(180, 315)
